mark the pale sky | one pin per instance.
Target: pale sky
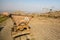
(29, 5)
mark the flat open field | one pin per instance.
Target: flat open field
(43, 27)
(46, 28)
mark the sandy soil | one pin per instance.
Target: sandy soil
(41, 28)
(45, 28)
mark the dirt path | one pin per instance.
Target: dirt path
(6, 31)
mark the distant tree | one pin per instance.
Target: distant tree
(50, 10)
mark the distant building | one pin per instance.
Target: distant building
(5, 13)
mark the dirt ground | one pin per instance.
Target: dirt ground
(42, 28)
(45, 28)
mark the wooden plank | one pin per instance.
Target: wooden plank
(15, 34)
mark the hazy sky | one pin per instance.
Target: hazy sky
(29, 5)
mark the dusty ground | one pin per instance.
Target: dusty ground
(41, 28)
(46, 28)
